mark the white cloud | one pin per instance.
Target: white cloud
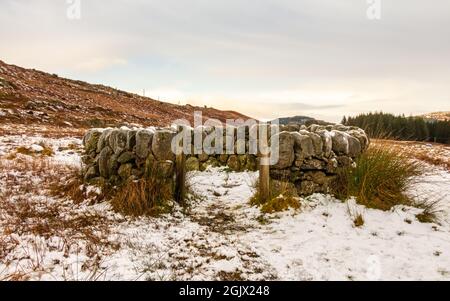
(244, 55)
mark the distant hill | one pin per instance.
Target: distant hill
(32, 97)
(301, 120)
(438, 116)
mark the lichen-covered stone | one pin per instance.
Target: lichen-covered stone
(162, 145)
(340, 142)
(212, 162)
(285, 150)
(113, 164)
(233, 163)
(91, 172)
(143, 143)
(103, 140)
(203, 157)
(303, 145)
(124, 171)
(126, 157)
(327, 142)
(354, 147)
(313, 164)
(90, 140)
(103, 161)
(192, 164)
(118, 141)
(223, 158)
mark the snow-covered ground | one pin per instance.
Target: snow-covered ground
(220, 236)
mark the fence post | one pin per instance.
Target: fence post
(180, 170)
(264, 165)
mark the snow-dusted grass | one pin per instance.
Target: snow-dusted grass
(220, 236)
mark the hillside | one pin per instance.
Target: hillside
(301, 120)
(439, 116)
(35, 98)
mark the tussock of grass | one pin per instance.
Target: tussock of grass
(71, 186)
(147, 196)
(142, 197)
(280, 203)
(380, 179)
(358, 221)
(25, 151)
(430, 212)
(282, 197)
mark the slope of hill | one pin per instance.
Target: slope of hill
(31, 97)
(301, 120)
(439, 116)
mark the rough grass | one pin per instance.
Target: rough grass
(358, 221)
(280, 203)
(150, 195)
(430, 213)
(380, 179)
(29, 209)
(283, 196)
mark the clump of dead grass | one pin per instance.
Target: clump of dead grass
(283, 196)
(380, 179)
(151, 195)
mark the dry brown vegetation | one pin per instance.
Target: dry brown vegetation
(147, 196)
(47, 103)
(283, 196)
(432, 153)
(27, 209)
(380, 179)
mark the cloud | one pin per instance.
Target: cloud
(264, 57)
(98, 63)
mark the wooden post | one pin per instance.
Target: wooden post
(264, 166)
(180, 170)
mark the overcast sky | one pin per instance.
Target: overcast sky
(265, 58)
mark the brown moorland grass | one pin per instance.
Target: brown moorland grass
(27, 207)
(381, 179)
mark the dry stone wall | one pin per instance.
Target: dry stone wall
(309, 157)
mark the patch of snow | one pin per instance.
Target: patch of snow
(221, 234)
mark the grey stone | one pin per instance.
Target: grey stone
(143, 143)
(90, 173)
(203, 157)
(340, 142)
(113, 164)
(162, 145)
(233, 163)
(192, 164)
(90, 140)
(223, 158)
(285, 150)
(103, 140)
(126, 157)
(317, 143)
(103, 161)
(313, 164)
(118, 141)
(124, 171)
(327, 143)
(354, 147)
(303, 145)
(213, 162)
